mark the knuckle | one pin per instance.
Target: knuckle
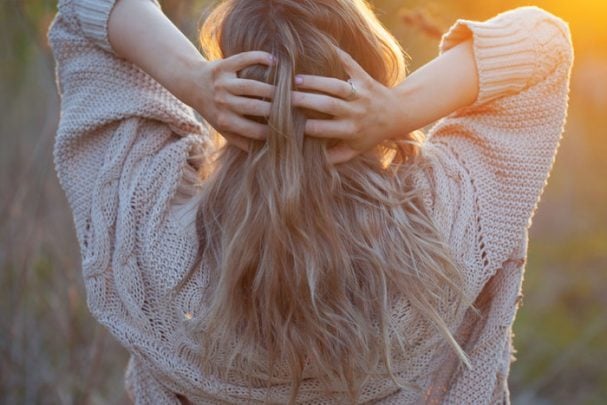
(266, 109)
(215, 70)
(222, 85)
(259, 133)
(311, 129)
(249, 131)
(332, 105)
(345, 92)
(218, 89)
(223, 121)
(253, 107)
(359, 111)
(220, 100)
(353, 127)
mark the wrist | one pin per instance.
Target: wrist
(190, 81)
(403, 104)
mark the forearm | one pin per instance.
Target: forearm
(437, 89)
(140, 33)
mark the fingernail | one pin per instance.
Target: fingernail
(298, 79)
(273, 59)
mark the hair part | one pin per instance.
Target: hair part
(306, 258)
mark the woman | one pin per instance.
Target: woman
(327, 253)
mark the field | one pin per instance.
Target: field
(51, 349)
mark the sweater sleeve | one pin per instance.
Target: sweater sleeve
(122, 155)
(95, 85)
(108, 106)
(506, 141)
(93, 16)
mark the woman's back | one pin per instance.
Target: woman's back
(477, 180)
(308, 258)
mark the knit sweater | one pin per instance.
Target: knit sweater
(122, 156)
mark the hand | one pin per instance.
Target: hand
(223, 99)
(365, 112)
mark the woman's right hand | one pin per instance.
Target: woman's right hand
(374, 112)
(223, 99)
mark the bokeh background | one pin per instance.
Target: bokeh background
(51, 349)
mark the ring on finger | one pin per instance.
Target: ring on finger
(353, 90)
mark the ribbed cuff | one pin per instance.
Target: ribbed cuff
(504, 51)
(94, 16)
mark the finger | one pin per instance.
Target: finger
(239, 125)
(249, 106)
(328, 129)
(354, 70)
(251, 88)
(242, 60)
(329, 85)
(341, 153)
(237, 140)
(319, 102)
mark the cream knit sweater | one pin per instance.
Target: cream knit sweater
(121, 155)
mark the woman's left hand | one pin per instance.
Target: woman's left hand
(365, 112)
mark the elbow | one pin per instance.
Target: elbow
(562, 41)
(552, 34)
(558, 46)
(551, 38)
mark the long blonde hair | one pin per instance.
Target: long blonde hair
(306, 258)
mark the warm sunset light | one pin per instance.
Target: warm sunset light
(54, 349)
(588, 21)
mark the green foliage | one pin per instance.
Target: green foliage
(561, 327)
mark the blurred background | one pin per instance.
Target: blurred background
(51, 349)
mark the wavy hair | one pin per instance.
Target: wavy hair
(307, 258)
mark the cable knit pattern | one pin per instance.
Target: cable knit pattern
(122, 156)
